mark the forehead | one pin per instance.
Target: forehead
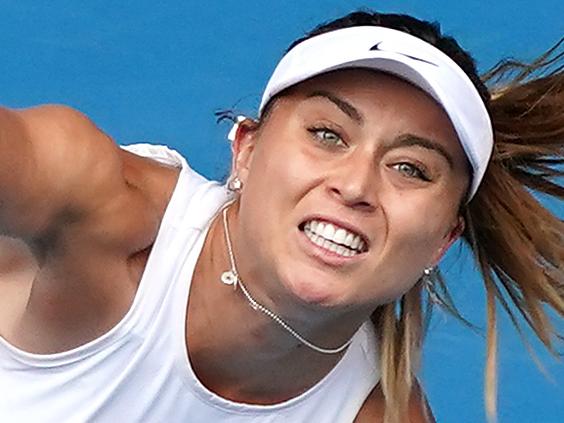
(373, 93)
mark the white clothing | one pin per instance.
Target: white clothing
(139, 371)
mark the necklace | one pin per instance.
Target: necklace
(231, 277)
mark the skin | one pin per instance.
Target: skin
(407, 222)
(358, 163)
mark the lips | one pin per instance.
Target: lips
(334, 238)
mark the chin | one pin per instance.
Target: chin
(315, 291)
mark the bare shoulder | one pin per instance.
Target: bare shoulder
(72, 177)
(55, 162)
(56, 115)
(58, 131)
(89, 212)
(83, 185)
(78, 153)
(374, 407)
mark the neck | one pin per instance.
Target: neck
(237, 351)
(232, 277)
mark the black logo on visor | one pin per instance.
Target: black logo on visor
(376, 47)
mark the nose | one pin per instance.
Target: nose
(354, 182)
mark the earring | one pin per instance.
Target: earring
(235, 184)
(429, 284)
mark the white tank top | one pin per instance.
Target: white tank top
(139, 371)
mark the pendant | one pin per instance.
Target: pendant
(229, 278)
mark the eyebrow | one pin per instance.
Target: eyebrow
(344, 105)
(408, 140)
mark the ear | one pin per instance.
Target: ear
(454, 233)
(242, 147)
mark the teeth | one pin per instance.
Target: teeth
(328, 232)
(348, 240)
(335, 239)
(355, 242)
(340, 235)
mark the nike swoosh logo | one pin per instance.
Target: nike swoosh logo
(376, 47)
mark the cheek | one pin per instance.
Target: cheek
(268, 189)
(283, 170)
(419, 240)
(416, 232)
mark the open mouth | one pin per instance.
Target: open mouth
(334, 238)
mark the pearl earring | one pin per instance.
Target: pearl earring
(235, 184)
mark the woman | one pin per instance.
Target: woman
(159, 296)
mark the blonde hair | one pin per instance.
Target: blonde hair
(516, 241)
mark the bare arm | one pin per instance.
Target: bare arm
(69, 192)
(56, 168)
(15, 257)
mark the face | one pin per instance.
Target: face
(352, 187)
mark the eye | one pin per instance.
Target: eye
(411, 170)
(327, 137)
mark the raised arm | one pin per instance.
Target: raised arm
(46, 155)
(57, 169)
(83, 207)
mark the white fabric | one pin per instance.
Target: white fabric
(406, 56)
(139, 371)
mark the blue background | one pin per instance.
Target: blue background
(157, 71)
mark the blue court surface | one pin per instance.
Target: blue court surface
(148, 71)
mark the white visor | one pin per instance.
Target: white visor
(407, 57)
